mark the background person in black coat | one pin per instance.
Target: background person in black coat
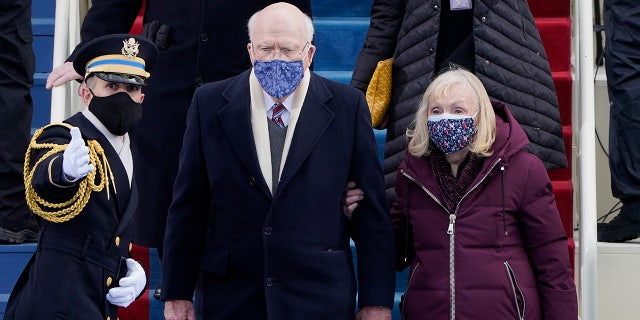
(199, 41)
(17, 64)
(80, 181)
(496, 40)
(622, 30)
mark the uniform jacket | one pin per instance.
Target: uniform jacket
(256, 255)
(77, 261)
(507, 248)
(509, 59)
(205, 41)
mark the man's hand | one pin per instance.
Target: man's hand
(61, 75)
(130, 286)
(75, 159)
(351, 197)
(374, 313)
(179, 310)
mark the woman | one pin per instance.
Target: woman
(475, 216)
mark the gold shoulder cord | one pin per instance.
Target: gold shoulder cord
(61, 212)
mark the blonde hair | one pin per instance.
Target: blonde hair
(450, 82)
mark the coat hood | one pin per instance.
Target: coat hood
(510, 137)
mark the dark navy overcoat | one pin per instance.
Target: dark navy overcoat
(254, 255)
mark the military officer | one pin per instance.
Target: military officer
(79, 179)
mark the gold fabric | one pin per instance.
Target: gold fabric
(379, 91)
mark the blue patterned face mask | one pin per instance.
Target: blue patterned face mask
(277, 77)
(450, 132)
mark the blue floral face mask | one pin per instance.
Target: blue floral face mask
(449, 132)
(277, 77)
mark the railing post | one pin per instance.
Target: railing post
(586, 162)
(60, 47)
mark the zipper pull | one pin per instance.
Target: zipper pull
(452, 221)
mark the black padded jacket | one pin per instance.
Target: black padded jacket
(509, 59)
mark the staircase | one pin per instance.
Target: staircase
(341, 27)
(554, 23)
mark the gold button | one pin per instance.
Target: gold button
(117, 241)
(130, 246)
(109, 280)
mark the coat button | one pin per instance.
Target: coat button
(109, 281)
(267, 231)
(430, 50)
(117, 241)
(252, 181)
(435, 7)
(483, 19)
(269, 282)
(204, 37)
(486, 62)
(199, 81)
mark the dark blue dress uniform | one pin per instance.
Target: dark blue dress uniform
(199, 41)
(81, 252)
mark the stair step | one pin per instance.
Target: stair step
(618, 281)
(564, 88)
(543, 8)
(340, 76)
(564, 173)
(338, 42)
(556, 38)
(563, 191)
(342, 8)
(41, 101)
(13, 259)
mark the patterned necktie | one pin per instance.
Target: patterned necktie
(278, 111)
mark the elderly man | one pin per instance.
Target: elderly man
(256, 226)
(79, 179)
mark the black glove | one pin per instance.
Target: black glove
(157, 33)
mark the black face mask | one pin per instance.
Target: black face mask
(118, 112)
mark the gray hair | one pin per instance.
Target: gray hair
(308, 23)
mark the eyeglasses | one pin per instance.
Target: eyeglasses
(267, 52)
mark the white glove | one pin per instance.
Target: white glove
(75, 160)
(130, 286)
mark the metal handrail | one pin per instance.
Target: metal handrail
(588, 262)
(60, 54)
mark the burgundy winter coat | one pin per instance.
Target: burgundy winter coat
(505, 255)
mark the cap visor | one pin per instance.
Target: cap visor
(121, 78)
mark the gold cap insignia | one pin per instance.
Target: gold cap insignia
(130, 48)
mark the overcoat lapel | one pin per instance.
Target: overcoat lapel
(313, 121)
(235, 118)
